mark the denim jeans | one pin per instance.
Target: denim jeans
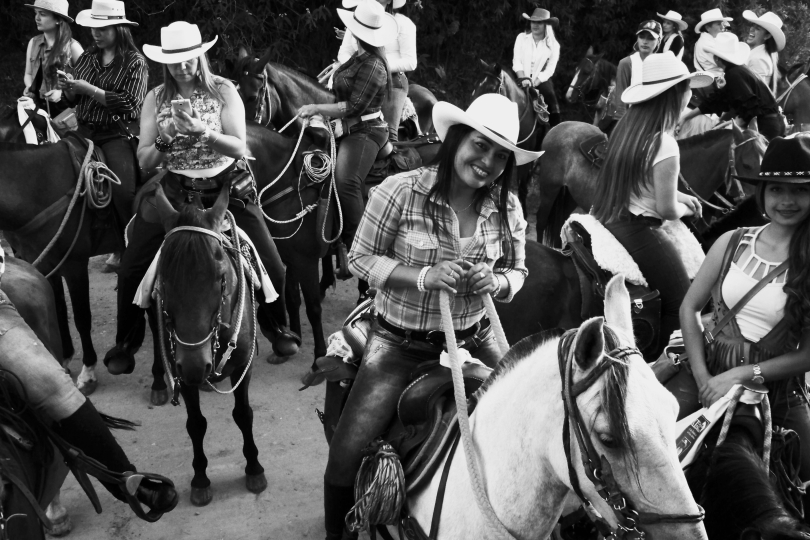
(356, 155)
(792, 412)
(661, 265)
(392, 108)
(49, 389)
(383, 376)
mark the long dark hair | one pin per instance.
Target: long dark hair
(206, 81)
(498, 192)
(60, 49)
(631, 149)
(123, 41)
(379, 53)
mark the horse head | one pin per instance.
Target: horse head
(251, 77)
(197, 283)
(490, 83)
(591, 79)
(747, 152)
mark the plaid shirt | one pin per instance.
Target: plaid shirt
(361, 83)
(123, 82)
(396, 230)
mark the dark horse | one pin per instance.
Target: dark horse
(796, 100)
(203, 294)
(591, 84)
(498, 80)
(11, 130)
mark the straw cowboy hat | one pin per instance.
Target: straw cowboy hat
(351, 4)
(370, 23)
(180, 41)
(713, 15)
(728, 47)
(674, 16)
(771, 23)
(660, 72)
(492, 115)
(104, 13)
(787, 159)
(60, 7)
(543, 16)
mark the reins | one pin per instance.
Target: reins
(786, 94)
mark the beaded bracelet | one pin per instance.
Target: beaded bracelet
(420, 281)
(161, 145)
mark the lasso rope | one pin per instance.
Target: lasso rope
(766, 419)
(379, 490)
(481, 498)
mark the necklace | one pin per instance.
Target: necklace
(463, 209)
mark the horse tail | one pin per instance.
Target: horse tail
(739, 495)
(562, 207)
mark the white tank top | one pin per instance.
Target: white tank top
(767, 307)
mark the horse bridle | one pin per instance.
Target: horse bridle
(262, 97)
(596, 466)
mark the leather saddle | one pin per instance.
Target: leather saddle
(400, 157)
(595, 149)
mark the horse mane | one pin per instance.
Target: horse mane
(186, 259)
(703, 140)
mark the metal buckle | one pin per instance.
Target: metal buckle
(435, 337)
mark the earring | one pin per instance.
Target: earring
(764, 215)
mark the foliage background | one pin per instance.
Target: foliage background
(452, 34)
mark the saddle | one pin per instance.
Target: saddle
(595, 149)
(404, 157)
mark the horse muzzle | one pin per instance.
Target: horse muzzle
(194, 365)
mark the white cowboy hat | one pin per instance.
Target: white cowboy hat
(713, 15)
(542, 16)
(771, 23)
(104, 13)
(728, 47)
(492, 115)
(660, 72)
(370, 23)
(180, 41)
(674, 16)
(351, 4)
(60, 7)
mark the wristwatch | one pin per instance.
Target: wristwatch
(758, 378)
(206, 135)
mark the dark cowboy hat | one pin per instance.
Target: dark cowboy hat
(787, 159)
(543, 16)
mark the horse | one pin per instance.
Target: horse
(498, 80)
(197, 342)
(11, 130)
(626, 418)
(592, 83)
(709, 160)
(793, 95)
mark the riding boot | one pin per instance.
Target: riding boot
(86, 430)
(553, 119)
(337, 501)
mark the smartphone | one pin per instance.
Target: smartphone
(61, 73)
(182, 105)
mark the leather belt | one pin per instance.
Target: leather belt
(434, 337)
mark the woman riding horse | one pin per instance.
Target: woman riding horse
(400, 53)
(637, 187)
(536, 54)
(672, 39)
(648, 37)
(53, 49)
(451, 227)
(201, 151)
(766, 39)
(767, 340)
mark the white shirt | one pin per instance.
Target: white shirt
(536, 60)
(635, 74)
(644, 203)
(761, 63)
(705, 61)
(400, 52)
(668, 44)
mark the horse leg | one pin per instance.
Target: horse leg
(60, 519)
(293, 298)
(159, 394)
(328, 277)
(308, 276)
(255, 481)
(78, 282)
(196, 425)
(62, 319)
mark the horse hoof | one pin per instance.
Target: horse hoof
(87, 387)
(276, 360)
(286, 344)
(60, 526)
(159, 397)
(256, 483)
(201, 496)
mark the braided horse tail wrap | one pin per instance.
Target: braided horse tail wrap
(380, 483)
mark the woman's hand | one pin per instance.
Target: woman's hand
(481, 279)
(188, 125)
(76, 86)
(165, 126)
(525, 83)
(692, 203)
(53, 95)
(28, 93)
(339, 33)
(718, 386)
(307, 111)
(444, 276)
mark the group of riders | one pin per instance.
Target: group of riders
(453, 226)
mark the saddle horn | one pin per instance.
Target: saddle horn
(168, 215)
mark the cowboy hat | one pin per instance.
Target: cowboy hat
(492, 115)
(787, 159)
(771, 23)
(60, 7)
(180, 41)
(351, 4)
(651, 27)
(728, 47)
(104, 13)
(660, 72)
(542, 16)
(674, 16)
(713, 15)
(370, 23)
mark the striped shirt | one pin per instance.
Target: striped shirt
(361, 83)
(396, 230)
(123, 81)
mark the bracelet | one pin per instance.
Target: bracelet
(420, 281)
(497, 290)
(95, 91)
(163, 146)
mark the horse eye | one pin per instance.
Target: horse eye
(607, 440)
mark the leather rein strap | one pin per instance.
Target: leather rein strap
(596, 466)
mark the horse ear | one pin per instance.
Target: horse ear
(259, 65)
(617, 307)
(168, 215)
(217, 212)
(589, 344)
(590, 51)
(242, 52)
(483, 63)
(737, 131)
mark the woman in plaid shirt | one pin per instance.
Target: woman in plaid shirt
(453, 226)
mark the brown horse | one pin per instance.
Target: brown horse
(591, 84)
(796, 100)
(567, 177)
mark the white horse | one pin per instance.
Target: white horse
(517, 430)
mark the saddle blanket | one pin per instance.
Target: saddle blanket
(611, 256)
(146, 289)
(30, 133)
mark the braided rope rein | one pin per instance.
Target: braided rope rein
(766, 420)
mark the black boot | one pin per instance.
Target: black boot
(86, 430)
(553, 119)
(337, 501)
